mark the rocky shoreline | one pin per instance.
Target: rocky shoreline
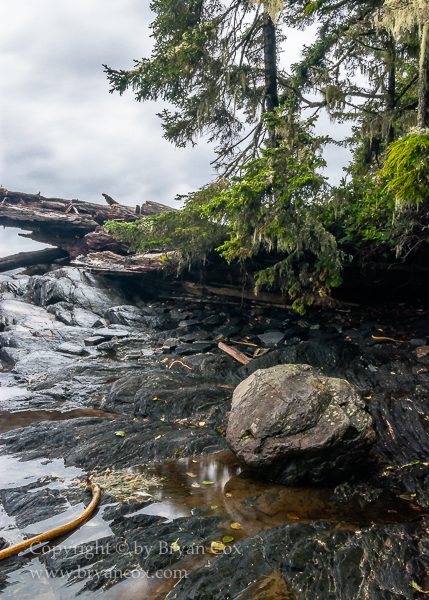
(74, 341)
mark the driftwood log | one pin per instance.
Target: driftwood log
(112, 264)
(72, 225)
(28, 259)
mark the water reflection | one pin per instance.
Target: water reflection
(222, 482)
(213, 485)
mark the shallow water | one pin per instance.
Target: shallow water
(15, 420)
(232, 493)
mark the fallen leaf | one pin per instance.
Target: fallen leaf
(228, 495)
(208, 482)
(418, 588)
(236, 526)
(213, 507)
(227, 539)
(120, 433)
(159, 436)
(202, 423)
(178, 452)
(175, 546)
(136, 420)
(195, 485)
(191, 474)
(194, 461)
(217, 547)
(422, 351)
(162, 418)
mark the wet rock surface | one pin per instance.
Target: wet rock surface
(154, 364)
(296, 425)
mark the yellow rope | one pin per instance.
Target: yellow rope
(53, 533)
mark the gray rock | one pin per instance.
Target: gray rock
(100, 323)
(94, 340)
(169, 345)
(296, 425)
(108, 334)
(212, 320)
(28, 506)
(226, 331)
(126, 315)
(72, 315)
(273, 337)
(189, 323)
(418, 342)
(71, 349)
(76, 286)
(195, 348)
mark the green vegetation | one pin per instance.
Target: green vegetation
(270, 208)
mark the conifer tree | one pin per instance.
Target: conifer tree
(399, 16)
(215, 62)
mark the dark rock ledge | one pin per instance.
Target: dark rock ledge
(179, 412)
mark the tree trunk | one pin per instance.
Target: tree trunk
(270, 63)
(28, 259)
(422, 115)
(391, 90)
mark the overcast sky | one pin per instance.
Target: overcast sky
(63, 134)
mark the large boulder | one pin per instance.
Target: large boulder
(295, 425)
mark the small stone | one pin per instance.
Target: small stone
(272, 337)
(212, 320)
(94, 340)
(303, 324)
(422, 351)
(133, 355)
(100, 323)
(108, 334)
(195, 348)
(189, 323)
(196, 335)
(418, 342)
(68, 348)
(3, 543)
(226, 331)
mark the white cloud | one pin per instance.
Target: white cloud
(62, 133)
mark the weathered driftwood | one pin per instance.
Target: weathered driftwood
(239, 356)
(27, 259)
(110, 263)
(234, 292)
(73, 225)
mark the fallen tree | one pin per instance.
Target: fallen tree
(28, 259)
(72, 225)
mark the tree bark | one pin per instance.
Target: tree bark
(28, 259)
(270, 64)
(422, 114)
